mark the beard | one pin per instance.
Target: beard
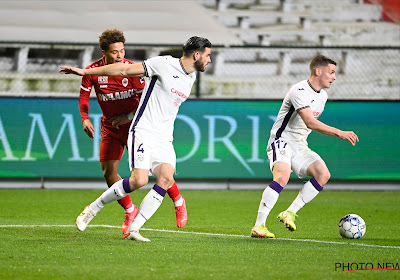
(199, 66)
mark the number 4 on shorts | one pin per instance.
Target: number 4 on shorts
(140, 149)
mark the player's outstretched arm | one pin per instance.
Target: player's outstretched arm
(115, 69)
(316, 125)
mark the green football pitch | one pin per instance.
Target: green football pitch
(39, 240)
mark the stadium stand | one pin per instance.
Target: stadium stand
(262, 46)
(364, 73)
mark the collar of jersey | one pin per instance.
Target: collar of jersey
(308, 82)
(183, 68)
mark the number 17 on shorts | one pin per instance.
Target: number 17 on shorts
(279, 150)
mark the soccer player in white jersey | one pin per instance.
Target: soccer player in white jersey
(288, 148)
(150, 135)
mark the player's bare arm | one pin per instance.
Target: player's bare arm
(88, 128)
(318, 126)
(116, 69)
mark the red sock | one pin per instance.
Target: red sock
(126, 202)
(174, 193)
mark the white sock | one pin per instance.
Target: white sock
(179, 202)
(268, 200)
(115, 192)
(130, 209)
(306, 194)
(147, 208)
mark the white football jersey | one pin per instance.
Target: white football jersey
(289, 125)
(166, 88)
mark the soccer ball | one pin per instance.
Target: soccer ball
(352, 226)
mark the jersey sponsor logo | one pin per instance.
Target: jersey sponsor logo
(177, 102)
(316, 114)
(125, 82)
(301, 89)
(118, 95)
(180, 94)
(103, 79)
(103, 86)
(176, 77)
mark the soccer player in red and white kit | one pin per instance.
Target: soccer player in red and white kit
(118, 98)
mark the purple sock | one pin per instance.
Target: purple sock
(316, 185)
(276, 186)
(125, 184)
(159, 190)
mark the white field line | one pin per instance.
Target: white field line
(214, 234)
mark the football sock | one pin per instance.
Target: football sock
(126, 203)
(148, 207)
(307, 193)
(174, 193)
(118, 190)
(179, 202)
(268, 200)
(130, 209)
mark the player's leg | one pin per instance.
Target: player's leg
(119, 189)
(180, 205)
(281, 173)
(110, 173)
(279, 154)
(152, 201)
(111, 151)
(162, 164)
(306, 163)
(320, 176)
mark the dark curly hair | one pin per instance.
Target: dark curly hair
(110, 36)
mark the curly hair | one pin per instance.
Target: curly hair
(110, 36)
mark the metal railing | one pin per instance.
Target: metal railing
(243, 72)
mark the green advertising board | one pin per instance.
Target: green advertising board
(213, 139)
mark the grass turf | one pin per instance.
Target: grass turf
(62, 252)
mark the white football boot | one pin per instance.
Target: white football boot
(84, 218)
(135, 235)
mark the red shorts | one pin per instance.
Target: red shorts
(113, 141)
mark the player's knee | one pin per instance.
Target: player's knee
(282, 179)
(136, 182)
(323, 177)
(165, 182)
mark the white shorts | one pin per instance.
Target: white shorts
(147, 151)
(299, 157)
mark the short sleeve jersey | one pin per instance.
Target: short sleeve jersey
(289, 125)
(167, 87)
(116, 95)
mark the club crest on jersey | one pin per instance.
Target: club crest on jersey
(103, 79)
(125, 82)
